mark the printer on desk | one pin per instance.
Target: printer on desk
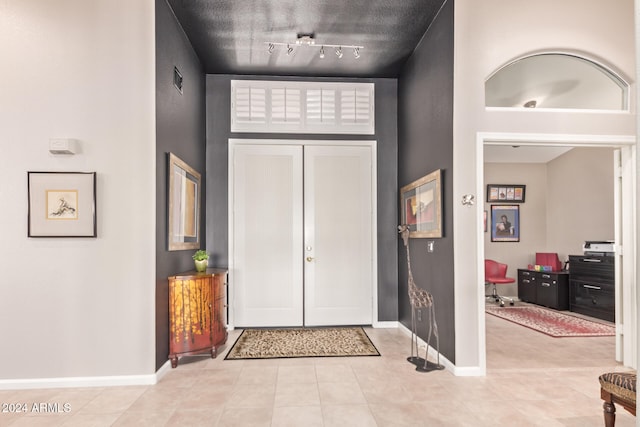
(601, 247)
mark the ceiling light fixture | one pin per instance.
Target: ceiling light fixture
(310, 41)
(531, 104)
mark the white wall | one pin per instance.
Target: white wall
(489, 34)
(580, 200)
(77, 307)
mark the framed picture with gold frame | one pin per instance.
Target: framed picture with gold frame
(183, 205)
(421, 206)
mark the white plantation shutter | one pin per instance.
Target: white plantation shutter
(355, 105)
(302, 107)
(285, 105)
(250, 105)
(321, 106)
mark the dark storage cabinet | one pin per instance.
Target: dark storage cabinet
(592, 290)
(550, 289)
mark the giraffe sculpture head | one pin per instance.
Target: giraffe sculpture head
(403, 229)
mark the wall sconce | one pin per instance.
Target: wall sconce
(468, 200)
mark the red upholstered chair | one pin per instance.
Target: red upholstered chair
(495, 273)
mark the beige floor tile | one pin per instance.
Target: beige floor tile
(113, 400)
(305, 394)
(347, 415)
(194, 418)
(341, 393)
(335, 373)
(254, 417)
(150, 418)
(297, 374)
(296, 416)
(258, 374)
(91, 420)
(252, 396)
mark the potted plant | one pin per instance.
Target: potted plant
(201, 258)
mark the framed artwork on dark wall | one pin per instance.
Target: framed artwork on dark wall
(421, 206)
(183, 206)
(506, 193)
(505, 223)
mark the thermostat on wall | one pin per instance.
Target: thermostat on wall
(63, 146)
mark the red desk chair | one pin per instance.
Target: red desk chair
(495, 273)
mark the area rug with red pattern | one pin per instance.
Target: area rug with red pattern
(550, 322)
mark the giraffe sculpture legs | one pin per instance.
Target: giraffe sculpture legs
(433, 329)
(423, 364)
(415, 357)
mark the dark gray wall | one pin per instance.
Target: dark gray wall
(180, 129)
(218, 134)
(425, 143)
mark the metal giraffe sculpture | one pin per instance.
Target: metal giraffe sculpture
(419, 298)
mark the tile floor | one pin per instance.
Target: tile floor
(532, 380)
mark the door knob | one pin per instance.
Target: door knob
(309, 259)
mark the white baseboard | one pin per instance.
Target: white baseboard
(455, 370)
(386, 325)
(106, 381)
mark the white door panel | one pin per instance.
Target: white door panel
(338, 235)
(267, 236)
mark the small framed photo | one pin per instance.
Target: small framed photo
(61, 204)
(184, 205)
(421, 206)
(505, 223)
(506, 193)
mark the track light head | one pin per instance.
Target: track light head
(356, 52)
(271, 47)
(339, 53)
(289, 50)
(322, 52)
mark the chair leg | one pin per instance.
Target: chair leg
(499, 298)
(609, 414)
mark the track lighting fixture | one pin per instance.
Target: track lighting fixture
(309, 41)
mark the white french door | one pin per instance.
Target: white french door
(338, 235)
(302, 235)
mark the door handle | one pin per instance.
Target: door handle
(309, 259)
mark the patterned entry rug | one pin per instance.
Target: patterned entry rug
(301, 342)
(551, 322)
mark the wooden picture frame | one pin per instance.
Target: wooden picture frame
(61, 204)
(505, 223)
(421, 206)
(505, 193)
(183, 205)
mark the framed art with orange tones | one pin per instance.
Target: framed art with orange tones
(421, 206)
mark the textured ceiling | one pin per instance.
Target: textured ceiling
(230, 36)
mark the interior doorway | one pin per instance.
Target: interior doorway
(624, 206)
(302, 233)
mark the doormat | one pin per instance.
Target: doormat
(301, 342)
(552, 323)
